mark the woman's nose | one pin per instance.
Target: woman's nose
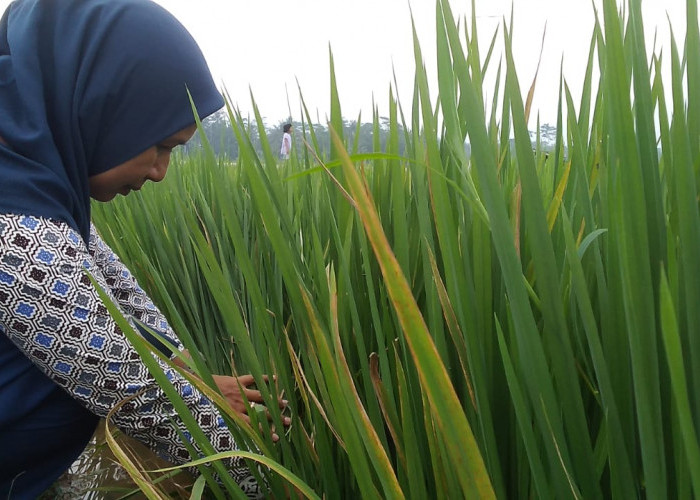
(160, 167)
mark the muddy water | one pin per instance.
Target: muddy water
(97, 475)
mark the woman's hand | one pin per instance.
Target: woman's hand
(235, 388)
(236, 391)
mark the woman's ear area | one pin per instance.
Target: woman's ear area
(181, 137)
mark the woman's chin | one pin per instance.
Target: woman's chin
(105, 197)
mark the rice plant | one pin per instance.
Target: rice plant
(505, 323)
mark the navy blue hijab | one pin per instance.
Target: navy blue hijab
(86, 85)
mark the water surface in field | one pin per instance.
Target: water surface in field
(97, 475)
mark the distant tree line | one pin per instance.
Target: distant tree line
(222, 139)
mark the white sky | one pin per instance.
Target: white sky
(267, 45)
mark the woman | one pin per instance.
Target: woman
(93, 98)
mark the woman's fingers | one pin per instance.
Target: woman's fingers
(247, 401)
(253, 395)
(246, 380)
(247, 419)
(275, 436)
(260, 409)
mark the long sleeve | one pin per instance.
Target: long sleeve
(51, 311)
(132, 299)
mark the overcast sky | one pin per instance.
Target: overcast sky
(269, 45)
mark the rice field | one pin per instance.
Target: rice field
(508, 323)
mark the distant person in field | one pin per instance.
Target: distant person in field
(93, 99)
(286, 148)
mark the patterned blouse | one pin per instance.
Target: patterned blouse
(52, 312)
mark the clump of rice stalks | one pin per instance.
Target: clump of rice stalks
(501, 323)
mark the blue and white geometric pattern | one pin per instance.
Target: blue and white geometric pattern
(51, 311)
(128, 294)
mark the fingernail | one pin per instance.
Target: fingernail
(287, 421)
(275, 438)
(285, 402)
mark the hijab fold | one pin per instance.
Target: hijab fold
(86, 85)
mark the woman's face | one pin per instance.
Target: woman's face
(151, 165)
